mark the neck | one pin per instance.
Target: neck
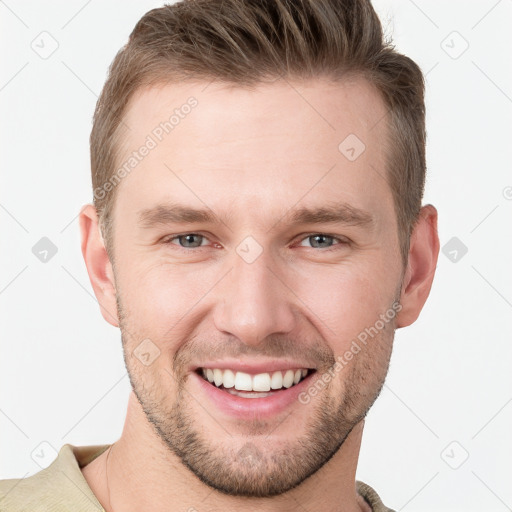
(143, 473)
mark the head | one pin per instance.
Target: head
(258, 171)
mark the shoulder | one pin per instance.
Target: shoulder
(25, 494)
(371, 497)
(60, 486)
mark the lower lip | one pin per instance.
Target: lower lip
(252, 408)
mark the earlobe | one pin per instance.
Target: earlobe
(421, 266)
(98, 264)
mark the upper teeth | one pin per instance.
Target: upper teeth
(260, 382)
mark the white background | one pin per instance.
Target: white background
(62, 375)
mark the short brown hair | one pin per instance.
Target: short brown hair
(246, 42)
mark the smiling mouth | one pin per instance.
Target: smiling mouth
(260, 385)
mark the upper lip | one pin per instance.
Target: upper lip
(254, 367)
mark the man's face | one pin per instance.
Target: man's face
(253, 288)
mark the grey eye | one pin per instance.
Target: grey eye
(320, 241)
(190, 240)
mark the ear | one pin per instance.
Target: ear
(421, 266)
(98, 264)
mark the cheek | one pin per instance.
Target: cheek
(161, 299)
(344, 301)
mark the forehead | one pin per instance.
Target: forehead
(258, 149)
(327, 107)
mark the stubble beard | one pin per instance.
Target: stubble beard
(254, 468)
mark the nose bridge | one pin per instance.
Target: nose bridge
(253, 303)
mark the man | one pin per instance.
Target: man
(257, 235)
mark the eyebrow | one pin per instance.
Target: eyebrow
(334, 213)
(174, 213)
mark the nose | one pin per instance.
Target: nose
(253, 302)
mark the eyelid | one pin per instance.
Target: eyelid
(168, 239)
(341, 239)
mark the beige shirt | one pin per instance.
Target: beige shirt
(61, 487)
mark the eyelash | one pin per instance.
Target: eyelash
(341, 241)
